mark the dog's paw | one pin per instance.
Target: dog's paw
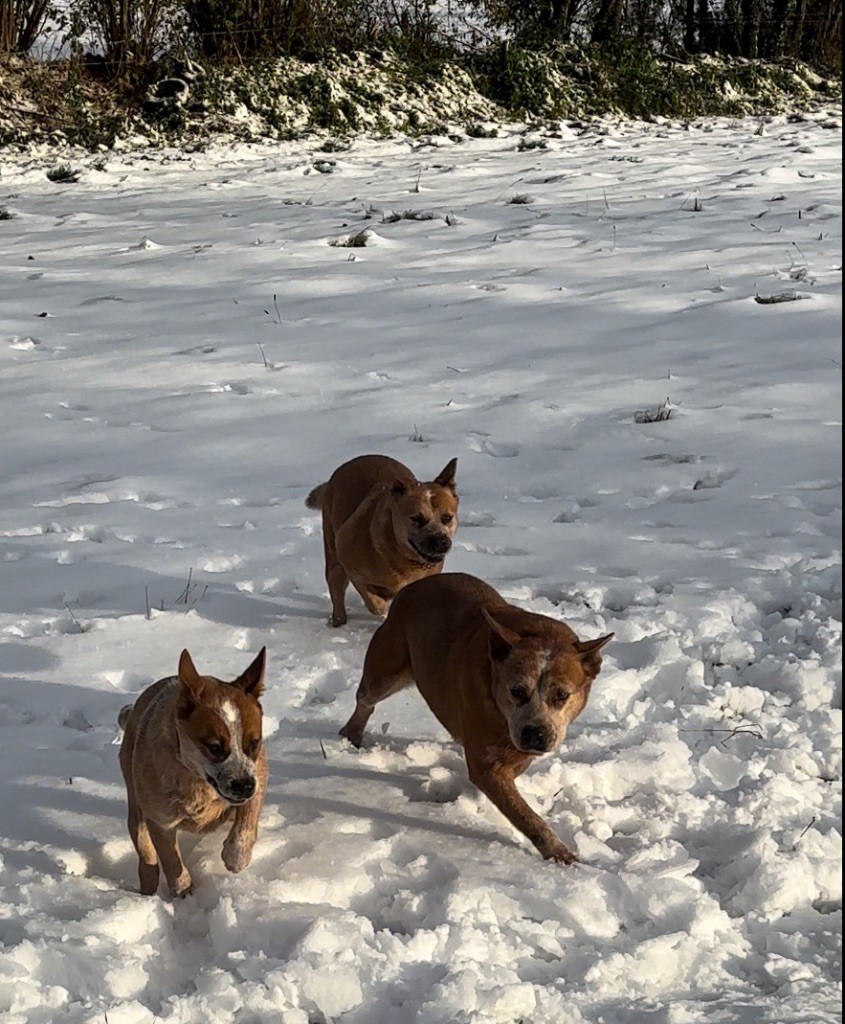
(148, 875)
(559, 852)
(237, 853)
(338, 620)
(354, 736)
(182, 887)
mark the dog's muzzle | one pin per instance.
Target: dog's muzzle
(535, 739)
(434, 550)
(238, 791)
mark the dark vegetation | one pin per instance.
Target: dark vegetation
(95, 69)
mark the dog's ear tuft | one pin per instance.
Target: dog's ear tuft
(252, 681)
(398, 489)
(590, 653)
(446, 477)
(191, 680)
(502, 639)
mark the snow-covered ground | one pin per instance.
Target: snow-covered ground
(162, 421)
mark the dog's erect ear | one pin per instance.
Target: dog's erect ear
(252, 681)
(191, 683)
(590, 652)
(188, 675)
(446, 477)
(502, 639)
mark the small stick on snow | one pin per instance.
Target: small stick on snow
(197, 600)
(798, 247)
(78, 624)
(182, 598)
(813, 820)
(499, 196)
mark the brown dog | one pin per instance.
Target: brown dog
(192, 758)
(383, 529)
(505, 682)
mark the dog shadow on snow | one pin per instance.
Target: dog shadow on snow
(75, 822)
(62, 798)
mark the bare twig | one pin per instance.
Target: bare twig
(744, 729)
(78, 624)
(197, 600)
(813, 820)
(186, 593)
(499, 196)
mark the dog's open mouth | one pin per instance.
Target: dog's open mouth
(427, 557)
(235, 801)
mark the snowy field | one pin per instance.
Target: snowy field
(162, 421)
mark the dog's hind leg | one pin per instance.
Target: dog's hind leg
(148, 869)
(387, 670)
(336, 576)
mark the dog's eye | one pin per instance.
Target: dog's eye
(419, 520)
(251, 749)
(216, 749)
(446, 519)
(559, 698)
(519, 694)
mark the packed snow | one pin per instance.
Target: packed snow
(185, 354)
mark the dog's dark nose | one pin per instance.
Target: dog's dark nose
(439, 543)
(243, 788)
(535, 737)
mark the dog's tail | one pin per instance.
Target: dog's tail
(315, 498)
(123, 717)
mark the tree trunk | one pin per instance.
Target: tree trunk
(608, 21)
(8, 29)
(750, 28)
(691, 38)
(707, 41)
(561, 19)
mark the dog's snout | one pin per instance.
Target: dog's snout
(439, 543)
(535, 737)
(243, 788)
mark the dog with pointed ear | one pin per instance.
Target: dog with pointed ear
(505, 682)
(193, 759)
(383, 529)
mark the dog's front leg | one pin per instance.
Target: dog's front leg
(375, 604)
(496, 781)
(148, 870)
(237, 849)
(167, 847)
